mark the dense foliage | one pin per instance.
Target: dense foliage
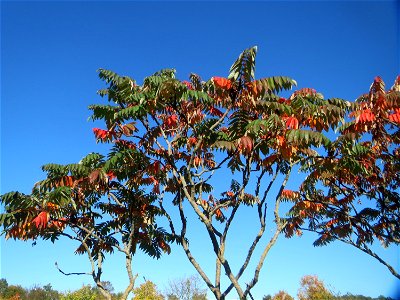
(351, 194)
(173, 141)
(147, 291)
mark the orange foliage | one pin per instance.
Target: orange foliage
(222, 83)
(292, 122)
(285, 149)
(171, 121)
(365, 116)
(103, 135)
(197, 161)
(230, 194)
(288, 194)
(245, 144)
(395, 117)
(41, 220)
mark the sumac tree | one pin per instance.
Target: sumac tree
(187, 133)
(171, 143)
(351, 194)
(96, 207)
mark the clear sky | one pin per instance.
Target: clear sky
(50, 52)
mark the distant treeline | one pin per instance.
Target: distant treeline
(86, 292)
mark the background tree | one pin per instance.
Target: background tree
(43, 293)
(15, 291)
(282, 295)
(356, 184)
(3, 286)
(311, 288)
(147, 291)
(349, 296)
(189, 288)
(86, 292)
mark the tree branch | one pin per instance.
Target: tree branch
(188, 253)
(73, 273)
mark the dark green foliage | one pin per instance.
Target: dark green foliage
(43, 293)
(14, 290)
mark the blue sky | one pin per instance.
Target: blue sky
(50, 52)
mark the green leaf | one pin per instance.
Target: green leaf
(133, 112)
(244, 66)
(105, 112)
(275, 84)
(307, 138)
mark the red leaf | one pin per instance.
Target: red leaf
(154, 168)
(66, 181)
(292, 122)
(127, 144)
(365, 116)
(103, 134)
(268, 161)
(305, 92)
(291, 195)
(188, 84)
(57, 224)
(171, 121)
(111, 175)
(253, 88)
(197, 161)
(222, 83)
(230, 194)
(395, 118)
(100, 133)
(245, 144)
(216, 112)
(282, 100)
(41, 220)
(192, 141)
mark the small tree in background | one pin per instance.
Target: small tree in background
(3, 286)
(86, 292)
(282, 295)
(147, 291)
(16, 292)
(43, 293)
(189, 288)
(311, 288)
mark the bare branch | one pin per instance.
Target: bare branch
(132, 278)
(367, 250)
(188, 253)
(73, 273)
(279, 227)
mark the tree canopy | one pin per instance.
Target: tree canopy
(171, 141)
